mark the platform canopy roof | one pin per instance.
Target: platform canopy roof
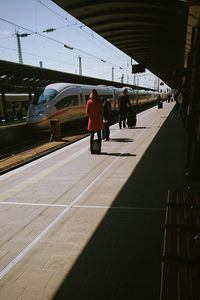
(15, 77)
(152, 32)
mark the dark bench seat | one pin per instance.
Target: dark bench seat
(181, 253)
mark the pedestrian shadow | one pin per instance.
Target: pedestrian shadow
(118, 154)
(121, 140)
(137, 127)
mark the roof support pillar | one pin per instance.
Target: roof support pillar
(193, 109)
(4, 107)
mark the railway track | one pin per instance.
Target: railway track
(19, 154)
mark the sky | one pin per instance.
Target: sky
(98, 57)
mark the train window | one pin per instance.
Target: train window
(74, 100)
(44, 95)
(47, 95)
(66, 102)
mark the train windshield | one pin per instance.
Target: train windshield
(44, 95)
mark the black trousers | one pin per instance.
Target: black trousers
(92, 133)
(122, 119)
(106, 131)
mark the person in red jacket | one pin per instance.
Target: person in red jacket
(94, 110)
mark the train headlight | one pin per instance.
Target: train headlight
(40, 113)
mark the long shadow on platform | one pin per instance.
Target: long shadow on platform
(122, 260)
(117, 154)
(121, 140)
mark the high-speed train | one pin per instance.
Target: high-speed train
(67, 101)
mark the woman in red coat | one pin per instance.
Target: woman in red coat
(94, 109)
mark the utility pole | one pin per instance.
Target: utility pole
(127, 78)
(155, 83)
(80, 66)
(158, 88)
(112, 73)
(134, 78)
(19, 47)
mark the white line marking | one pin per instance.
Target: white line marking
(33, 204)
(54, 222)
(82, 206)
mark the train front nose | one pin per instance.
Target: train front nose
(37, 118)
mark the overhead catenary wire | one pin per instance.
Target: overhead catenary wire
(75, 26)
(81, 26)
(56, 41)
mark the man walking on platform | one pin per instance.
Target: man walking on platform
(124, 102)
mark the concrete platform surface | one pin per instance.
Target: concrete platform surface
(80, 226)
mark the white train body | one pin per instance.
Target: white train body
(66, 101)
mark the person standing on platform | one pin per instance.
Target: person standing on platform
(94, 110)
(107, 111)
(159, 101)
(124, 102)
(179, 103)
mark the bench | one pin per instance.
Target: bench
(180, 278)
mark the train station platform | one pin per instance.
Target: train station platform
(80, 226)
